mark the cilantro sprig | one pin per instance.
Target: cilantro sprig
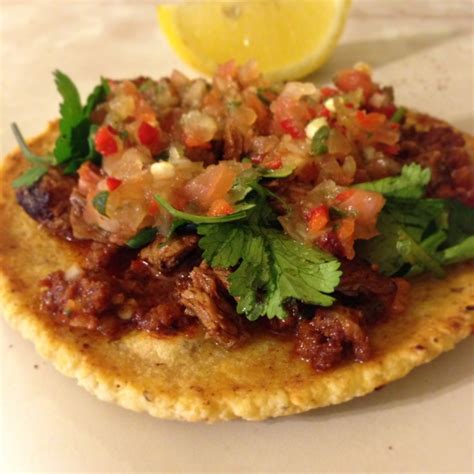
(75, 144)
(417, 234)
(39, 164)
(269, 267)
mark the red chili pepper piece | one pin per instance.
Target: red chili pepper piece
(274, 164)
(328, 91)
(105, 141)
(370, 121)
(288, 126)
(388, 110)
(318, 217)
(344, 195)
(324, 113)
(148, 135)
(154, 208)
(112, 183)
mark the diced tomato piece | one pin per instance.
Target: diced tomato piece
(390, 149)
(345, 233)
(327, 92)
(289, 126)
(148, 135)
(351, 80)
(344, 195)
(324, 113)
(318, 217)
(365, 206)
(370, 121)
(220, 207)
(105, 141)
(153, 208)
(388, 110)
(112, 183)
(214, 183)
(89, 177)
(275, 164)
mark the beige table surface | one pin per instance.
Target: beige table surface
(423, 423)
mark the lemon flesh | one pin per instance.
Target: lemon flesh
(288, 38)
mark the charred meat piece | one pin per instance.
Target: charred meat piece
(166, 256)
(208, 300)
(47, 202)
(332, 335)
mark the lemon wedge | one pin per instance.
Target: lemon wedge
(288, 38)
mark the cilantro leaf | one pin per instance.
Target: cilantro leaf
(40, 163)
(410, 183)
(71, 108)
(74, 145)
(30, 176)
(99, 202)
(460, 222)
(25, 150)
(271, 267)
(184, 217)
(319, 141)
(97, 96)
(398, 115)
(418, 235)
(457, 253)
(142, 238)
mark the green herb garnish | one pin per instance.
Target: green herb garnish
(398, 115)
(261, 95)
(75, 145)
(100, 202)
(40, 163)
(142, 238)
(411, 183)
(184, 217)
(270, 268)
(318, 142)
(417, 234)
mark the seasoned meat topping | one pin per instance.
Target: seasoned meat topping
(47, 202)
(330, 336)
(208, 300)
(442, 149)
(166, 255)
(366, 289)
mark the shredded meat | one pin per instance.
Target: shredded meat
(165, 318)
(331, 336)
(116, 298)
(47, 202)
(208, 300)
(366, 289)
(166, 256)
(79, 302)
(442, 149)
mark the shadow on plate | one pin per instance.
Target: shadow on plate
(378, 52)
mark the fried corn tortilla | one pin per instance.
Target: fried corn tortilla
(193, 379)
